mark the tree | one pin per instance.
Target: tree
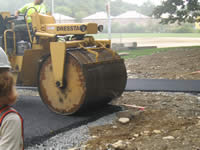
(179, 11)
(146, 8)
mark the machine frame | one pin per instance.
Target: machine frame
(44, 42)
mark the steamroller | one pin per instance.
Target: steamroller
(73, 71)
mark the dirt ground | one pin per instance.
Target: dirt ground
(161, 42)
(167, 115)
(170, 121)
(182, 63)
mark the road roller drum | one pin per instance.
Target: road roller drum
(87, 84)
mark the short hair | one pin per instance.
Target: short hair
(6, 82)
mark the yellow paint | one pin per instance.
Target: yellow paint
(68, 100)
(70, 29)
(29, 71)
(16, 63)
(197, 25)
(5, 40)
(43, 34)
(58, 51)
(5, 14)
(29, 32)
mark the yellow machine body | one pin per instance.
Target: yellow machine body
(73, 74)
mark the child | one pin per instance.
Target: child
(11, 123)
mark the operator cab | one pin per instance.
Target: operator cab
(13, 34)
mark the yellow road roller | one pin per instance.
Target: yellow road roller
(73, 71)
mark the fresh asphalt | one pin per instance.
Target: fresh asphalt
(163, 85)
(40, 123)
(155, 85)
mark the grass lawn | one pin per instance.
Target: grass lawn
(148, 35)
(136, 53)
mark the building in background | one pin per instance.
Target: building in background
(60, 18)
(125, 18)
(99, 18)
(132, 17)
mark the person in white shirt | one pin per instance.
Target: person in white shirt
(11, 122)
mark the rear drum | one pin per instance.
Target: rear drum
(87, 84)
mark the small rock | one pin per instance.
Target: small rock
(84, 147)
(132, 139)
(123, 54)
(198, 124)
(126, 114)
(146, 132)
(124, 120)
(136, 135)
(168, 138)
(119, 145)
(94, 137)
(198, 117)
(133, 76)
(128, 71)
(156, 131)
(128, 143)
(74, 149)
(114, 127)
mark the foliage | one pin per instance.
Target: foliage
(185, 28)
(180, 11)
(137, 53)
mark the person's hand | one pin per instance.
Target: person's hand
(16, 14)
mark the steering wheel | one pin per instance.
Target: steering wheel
(26, 13)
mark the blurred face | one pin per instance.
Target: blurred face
(12, 98)
(8, 94)
(37, 1)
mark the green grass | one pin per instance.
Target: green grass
(136, 53)
(148, 35)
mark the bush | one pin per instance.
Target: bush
(186, 28)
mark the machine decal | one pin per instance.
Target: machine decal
(68, 28)
(50, 28)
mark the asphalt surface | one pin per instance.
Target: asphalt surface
(40, 123)
(163, 85)
(155, 85)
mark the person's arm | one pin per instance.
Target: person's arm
(17, 13)
(11, 133)
(21, 10)
(43, 9)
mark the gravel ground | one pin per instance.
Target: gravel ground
(27, 92)
(73, 138)
(177, 63)
(170, 121)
